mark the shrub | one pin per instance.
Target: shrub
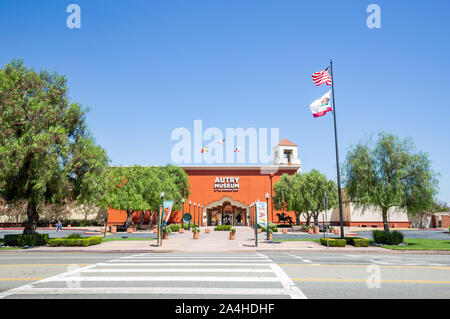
(73, 236)
(357, 241)
(75, 242)
(26, 240)
(232, 230)
(387, 238)
(223, 228)
(195, 230)
(361, 242)
(333, 242)
(272, 227)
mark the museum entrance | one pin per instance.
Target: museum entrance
(227, 212)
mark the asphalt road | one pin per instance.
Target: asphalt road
(223, 276)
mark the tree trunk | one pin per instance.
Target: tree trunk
(150, 222)
(316, 218)
(129, 214)
(308, 219)
(33, 218)
(297, 219)
(142, 218)
(385, 220)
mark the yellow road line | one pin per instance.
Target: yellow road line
(381, 266)
(43, 265)
(21, 279)
(365, 280)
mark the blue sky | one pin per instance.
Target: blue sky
(147, 67)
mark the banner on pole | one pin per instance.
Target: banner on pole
(167, 205)
(261, 211)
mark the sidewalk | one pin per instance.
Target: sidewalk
(215, 241)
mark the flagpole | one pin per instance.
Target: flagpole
(341, 217)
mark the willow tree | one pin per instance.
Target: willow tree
(125, 189)
(47, 154)
(390, 174)
(315, 186)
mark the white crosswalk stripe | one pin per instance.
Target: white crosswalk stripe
(207, 275)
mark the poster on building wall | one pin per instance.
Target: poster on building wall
(261, 210)
(167, 209)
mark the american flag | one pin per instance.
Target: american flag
(322, 77)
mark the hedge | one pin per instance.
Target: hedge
(223, 228)
(357, 241)
(75, 242)
(333, 242)
(272, 227)
(387, 238)
(31, 240)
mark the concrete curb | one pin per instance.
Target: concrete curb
(261, 250)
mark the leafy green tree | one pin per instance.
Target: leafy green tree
(304, 194)
(314, 187)
(139, 188)
(124, 190)
(47, 154)
(388, 174)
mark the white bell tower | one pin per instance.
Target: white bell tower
(286, 153)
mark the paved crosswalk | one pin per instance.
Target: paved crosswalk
(184, 276)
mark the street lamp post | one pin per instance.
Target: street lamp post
(201, 218)
(160, 220)
(267, 215)
(189, 227)
(326, 223)
(198, 215)
(194, 216)
(256, 225)
(182, 214)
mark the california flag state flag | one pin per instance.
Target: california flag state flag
(321, 106)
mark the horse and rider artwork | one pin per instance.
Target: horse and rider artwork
(284, 218)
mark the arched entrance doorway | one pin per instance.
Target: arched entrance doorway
(227, 211)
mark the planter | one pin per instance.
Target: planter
(204, 225)
(113, 229)
(102, 231)
(259, 231)
(68, 226)
(310, 231)
(270, 235)
(181, 231)
(284, 231)
(206, 230)
(129, 230)
(316, 230)
(232, 236)
(155, 230)
(196, 235)
(165, 235)
(336, 231)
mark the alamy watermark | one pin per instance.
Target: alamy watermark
(374, 279)
(374, 19)
(74, 19)
(212, 146)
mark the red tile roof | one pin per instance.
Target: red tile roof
(286, 142)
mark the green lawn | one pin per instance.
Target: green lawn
(422, 244)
